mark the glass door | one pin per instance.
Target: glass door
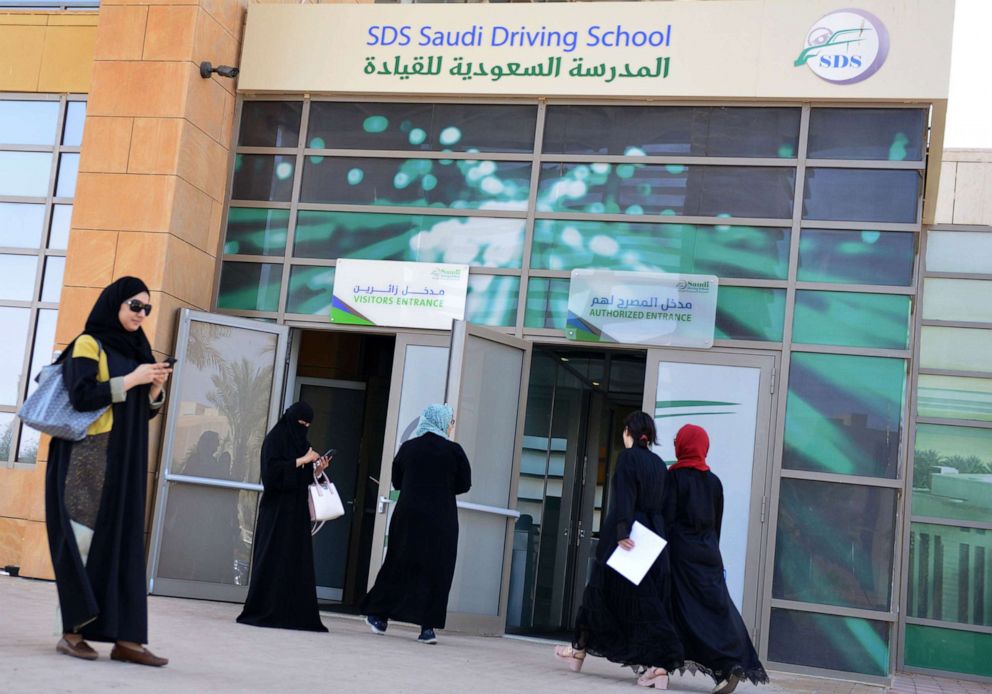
(224, 396)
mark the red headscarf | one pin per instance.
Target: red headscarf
(691, 446)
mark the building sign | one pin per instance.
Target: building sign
(845, 47)
(399, 294)
(641, 308)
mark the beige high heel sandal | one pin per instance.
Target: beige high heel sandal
(569, 655)
(654, 677)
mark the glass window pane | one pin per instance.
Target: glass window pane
(58, 237)
(68, 172)
(21, 225)
(656, 131)
(861, 195)
(263, 177)
(27, 446)
(866, 133)
(51, 286)
(44, 343)
(857, 257)
(75, 116)
(13, 342)
(25, 173)
(447, 127)
(254, 231)
(958, 349)
(461, 184)
(952, 475)
(954, 397)
(310, 290)
(270, 123)
(855, 320)
(834, 544)
(750, 313)
(492, 300)
(547, 303)
(28, 122)
(250, 286)
(825, 641)
(959, 251)
(962, 300)
(476, 241)
(17, 275)
(949, 571)
(952, 650)
(722, 250)
(671, 189)
(844, 414)
(7, 424)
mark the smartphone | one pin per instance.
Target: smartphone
(171, 361)
(331, 452)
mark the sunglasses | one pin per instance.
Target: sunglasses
(138, 306)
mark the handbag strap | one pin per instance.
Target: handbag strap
(68, 349)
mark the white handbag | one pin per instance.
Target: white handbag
(325, 504)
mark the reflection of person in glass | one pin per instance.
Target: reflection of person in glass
(714, 634)
(283, 592)
(415, 578)
(620, 621)
(95, 488)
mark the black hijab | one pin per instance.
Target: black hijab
(288, 438)
(103, 322)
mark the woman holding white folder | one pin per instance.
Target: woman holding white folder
(629, 623)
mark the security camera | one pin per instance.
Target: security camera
(206, 69)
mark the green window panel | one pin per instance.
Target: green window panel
(847, 644)
(476, 241)
(959, 251)
(492, 300)
(310, 290)
(445, 183)
(834, 544)
(547, 303)
(960, 300)
(696, 131)
(884, 134)
(263, 177)
(249, 286)
(844, 414)
(951, 650)
(270, 124)
(954, 397)
(952, 474)
(958, 349)
(255, 231)
(950, 573)
(750, 313)
(723, 250)
(861, 195)
(422, 126)
(857, 257)
(851, 319)
(670, 189)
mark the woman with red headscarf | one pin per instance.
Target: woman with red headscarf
(715, 638)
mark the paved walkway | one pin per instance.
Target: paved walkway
(211, 653)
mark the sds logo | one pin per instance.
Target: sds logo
(845, 47)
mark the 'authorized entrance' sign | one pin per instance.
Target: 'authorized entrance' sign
(642, 308)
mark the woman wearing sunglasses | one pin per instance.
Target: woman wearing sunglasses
(95, 488)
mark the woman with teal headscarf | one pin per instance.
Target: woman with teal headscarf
(413, 584)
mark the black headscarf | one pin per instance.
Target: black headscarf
(288, 437)
(103, 322)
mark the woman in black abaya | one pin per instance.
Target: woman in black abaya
(415, 578)
(95, 488)
(716, 640)
(282, 592)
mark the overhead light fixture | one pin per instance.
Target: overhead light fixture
(564, 358)
(206, 69)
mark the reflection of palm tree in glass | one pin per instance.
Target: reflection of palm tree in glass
(241, 393)
(200, 350)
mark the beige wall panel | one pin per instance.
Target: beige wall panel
(36, 485)
(186, 267)
(217, 45)
(90, 258)
(155, 145)
(971, 193)
(75, 18)
(20, 18)
(36, 562)
(21, 49)
(104, 3)
(130, 88)
(229, 13)
(74, 307)
(191, 215)
(210, 106)
(216, 218)
(11, 539)
(13, 492)
(63, 67)
(203, 163)
(162, 332)
(944, 213)
(118, 202)
(141, 254)
(170, 32)
(121, 33)
(106, 144)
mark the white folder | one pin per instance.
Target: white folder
(634, 564)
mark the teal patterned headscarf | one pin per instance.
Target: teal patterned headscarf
(435, 419)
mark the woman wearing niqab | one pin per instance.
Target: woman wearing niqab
(715, 637)
(413, 584)
(95, 488)
(282, 592)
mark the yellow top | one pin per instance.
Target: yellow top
(87, 348)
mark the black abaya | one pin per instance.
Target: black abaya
(622, 622)
(415, 578)
(715, 637)
(282, 592)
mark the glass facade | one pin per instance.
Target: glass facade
(39, 161)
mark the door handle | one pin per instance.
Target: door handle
(383, 504)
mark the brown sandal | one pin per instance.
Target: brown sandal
(79, 650)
